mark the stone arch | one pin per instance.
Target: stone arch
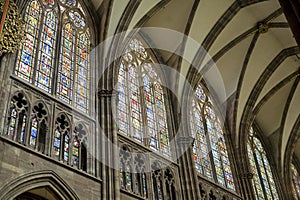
(36, 180)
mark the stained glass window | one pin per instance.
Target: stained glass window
(25, 59)
(66, 148)
(263, 181)
(75, 151)
(209, 149)
(79, 154)
(17, 118)
(295, 181)
(141, 109)
(125, 170)
(22, 137)
(68, 79)
(12, 122)
(57, 144)
(34, 130)
(47, 50)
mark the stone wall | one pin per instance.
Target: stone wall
(17, 160)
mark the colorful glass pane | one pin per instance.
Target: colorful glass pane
(47, 52)
(77, 19)
(49, 2)
(57, 140)
(34, 132)
(66, 148)
(82, 72)
(207, 131)
(25, 59)
(12, 123)
(22, 137)
(68, 2)
(138, 47)
(135, 105)
(75, 150)
(65, 73)
(122, 182)
(137, 182)
(123, 108)
(256, 181)
(144, 185)
(128, 179)
(260, 167)
(159, 191)
(138, 82)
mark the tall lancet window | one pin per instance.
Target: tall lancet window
(142, 104)
(263, 181)
(209, 149)
(55, 55)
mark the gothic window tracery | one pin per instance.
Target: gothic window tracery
(38, 128)
(209, 149)
(55, 55)
(62, 138)
(163, 182)
(263, 181)
(17, 120)
(157, 182)
(142, 104)
(140, 179)
(125, 169)
(79, 151)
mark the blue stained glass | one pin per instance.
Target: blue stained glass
(77, 19)
(34, 129)
(57, 142)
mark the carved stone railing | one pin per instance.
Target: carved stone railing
(212, 191)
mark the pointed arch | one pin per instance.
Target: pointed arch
(35, 180)
(56, 59)
(263, 178)
(126, 175)
(17, 120)
(79, 146)
(209, 149)
(38, 131)
(141, 101)
(62, 132)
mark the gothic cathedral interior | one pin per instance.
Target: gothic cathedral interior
(149, 100)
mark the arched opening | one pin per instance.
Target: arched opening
(38, 186)
(41, 193)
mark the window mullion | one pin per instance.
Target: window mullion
(201, 158)
(73, 76)
(129, 118)
(259, 172)
(222, 165)
(38, 46)
(155, 114)
(267, 175)
(57, 54)
(143, 109)
(209, 148)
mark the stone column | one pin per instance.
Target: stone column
(109, 153)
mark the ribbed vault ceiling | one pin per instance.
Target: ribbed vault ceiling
(259, 68)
